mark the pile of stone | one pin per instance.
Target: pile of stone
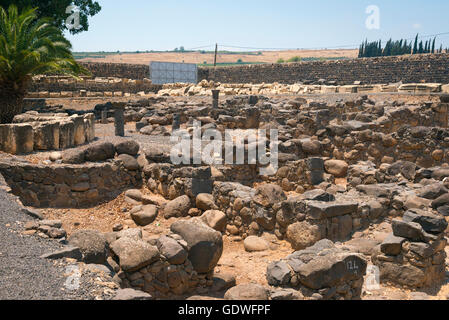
(321, 271)
(45, 229)
(413, 255)
(126, 150)
(181, 262)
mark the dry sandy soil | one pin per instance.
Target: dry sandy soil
(197, 57)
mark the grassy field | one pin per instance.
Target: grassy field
(206, 58)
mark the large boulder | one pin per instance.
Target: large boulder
(324, 266)
(129, 162)
(432, 191)
(409, 230)
(406, 168)
(311, 147)
(441, 201)
(74, 156)
(215, 219)
(430, 222)
(278, 273)
(392, 245)
(144, 215)
(205, 201)
(338, 168)
(134, 254)
(253, 243)
(172, 250)
(248, 291)
(100, 151)
(130, 147)
(178, 207)
(92, 244)
(269, 194)
(303, 234)
(205, 245)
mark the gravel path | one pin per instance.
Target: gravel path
(23, 274)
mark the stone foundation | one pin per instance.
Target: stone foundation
(414, 256)
(321, 271)
(68, 186)
(42, 132)
(165, 266)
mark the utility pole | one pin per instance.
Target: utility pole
(215, 58)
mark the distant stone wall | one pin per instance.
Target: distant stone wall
(67, 186)
(118, 70)
(63, 87)
(408, 69)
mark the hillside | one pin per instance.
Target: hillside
(208, 57)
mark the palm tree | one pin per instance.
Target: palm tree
(28, 47)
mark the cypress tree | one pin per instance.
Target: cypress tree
(415, 46)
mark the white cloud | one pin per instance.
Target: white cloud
(417, 26)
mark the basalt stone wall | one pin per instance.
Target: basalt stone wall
(408, 69)
(118, 70)
(67, 186)
(64, 88)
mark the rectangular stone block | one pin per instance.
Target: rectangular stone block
(17, 138)
(46, 136)
(89, 126)
(79, 133)
(66, 134)
(324, 210)
(66, 94)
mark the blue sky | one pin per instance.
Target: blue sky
(166, 24)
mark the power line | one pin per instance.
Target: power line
(311, 48)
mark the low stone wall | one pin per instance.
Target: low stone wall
(35, 132)
(427, 146)
(408, 69)
(413, 255)
(429, 68)
(62, 87)
(68, 186)
(321, 271)
(171, 181)
(169, 265)
(119, 70)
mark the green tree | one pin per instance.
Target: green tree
(29, 46)
(421, 47)
(56, 10)
(415, 46)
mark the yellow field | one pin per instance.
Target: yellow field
(199, 58)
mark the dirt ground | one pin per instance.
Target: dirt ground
(199, 58)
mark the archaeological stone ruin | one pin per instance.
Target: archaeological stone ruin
(353, 204)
